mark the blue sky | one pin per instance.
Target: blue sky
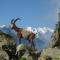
(35, 13)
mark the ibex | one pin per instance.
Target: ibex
(22, 33)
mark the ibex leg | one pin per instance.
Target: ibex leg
(19, 40)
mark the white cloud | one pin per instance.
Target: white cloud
(29, 29)
(2, 26)
(42, 30)
(43, 33)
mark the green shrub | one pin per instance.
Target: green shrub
(22, 58)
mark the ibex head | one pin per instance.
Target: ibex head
(13, 25)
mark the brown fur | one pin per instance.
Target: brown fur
(21, 33)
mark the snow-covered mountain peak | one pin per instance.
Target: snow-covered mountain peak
(2, 26)
(42, 34)
(42, 30)
(39, 31)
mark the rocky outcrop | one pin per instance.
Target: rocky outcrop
(50, 54)
(5, 39)
(4, 55)
(53, 52)
(55, 38)
(6, 43)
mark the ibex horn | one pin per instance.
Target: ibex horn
(17, 19)
(12, 21)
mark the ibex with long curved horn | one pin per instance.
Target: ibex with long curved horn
(22, 33)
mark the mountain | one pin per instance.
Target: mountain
(55, 38)
(7, 30)
(41, 32)
(53, 51)
(42, 35)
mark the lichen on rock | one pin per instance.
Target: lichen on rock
(6, 39)
(55, 38)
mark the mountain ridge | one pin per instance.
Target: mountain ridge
(41, 37)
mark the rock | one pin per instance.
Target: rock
(7, 43)
(50, 54)
(26, 53)
(28, 58)
(20, 47)
(32, 55)
(55, 38)
(6, 39)
(53, 51)
(4, 55)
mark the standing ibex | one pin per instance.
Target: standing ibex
(22, 33)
